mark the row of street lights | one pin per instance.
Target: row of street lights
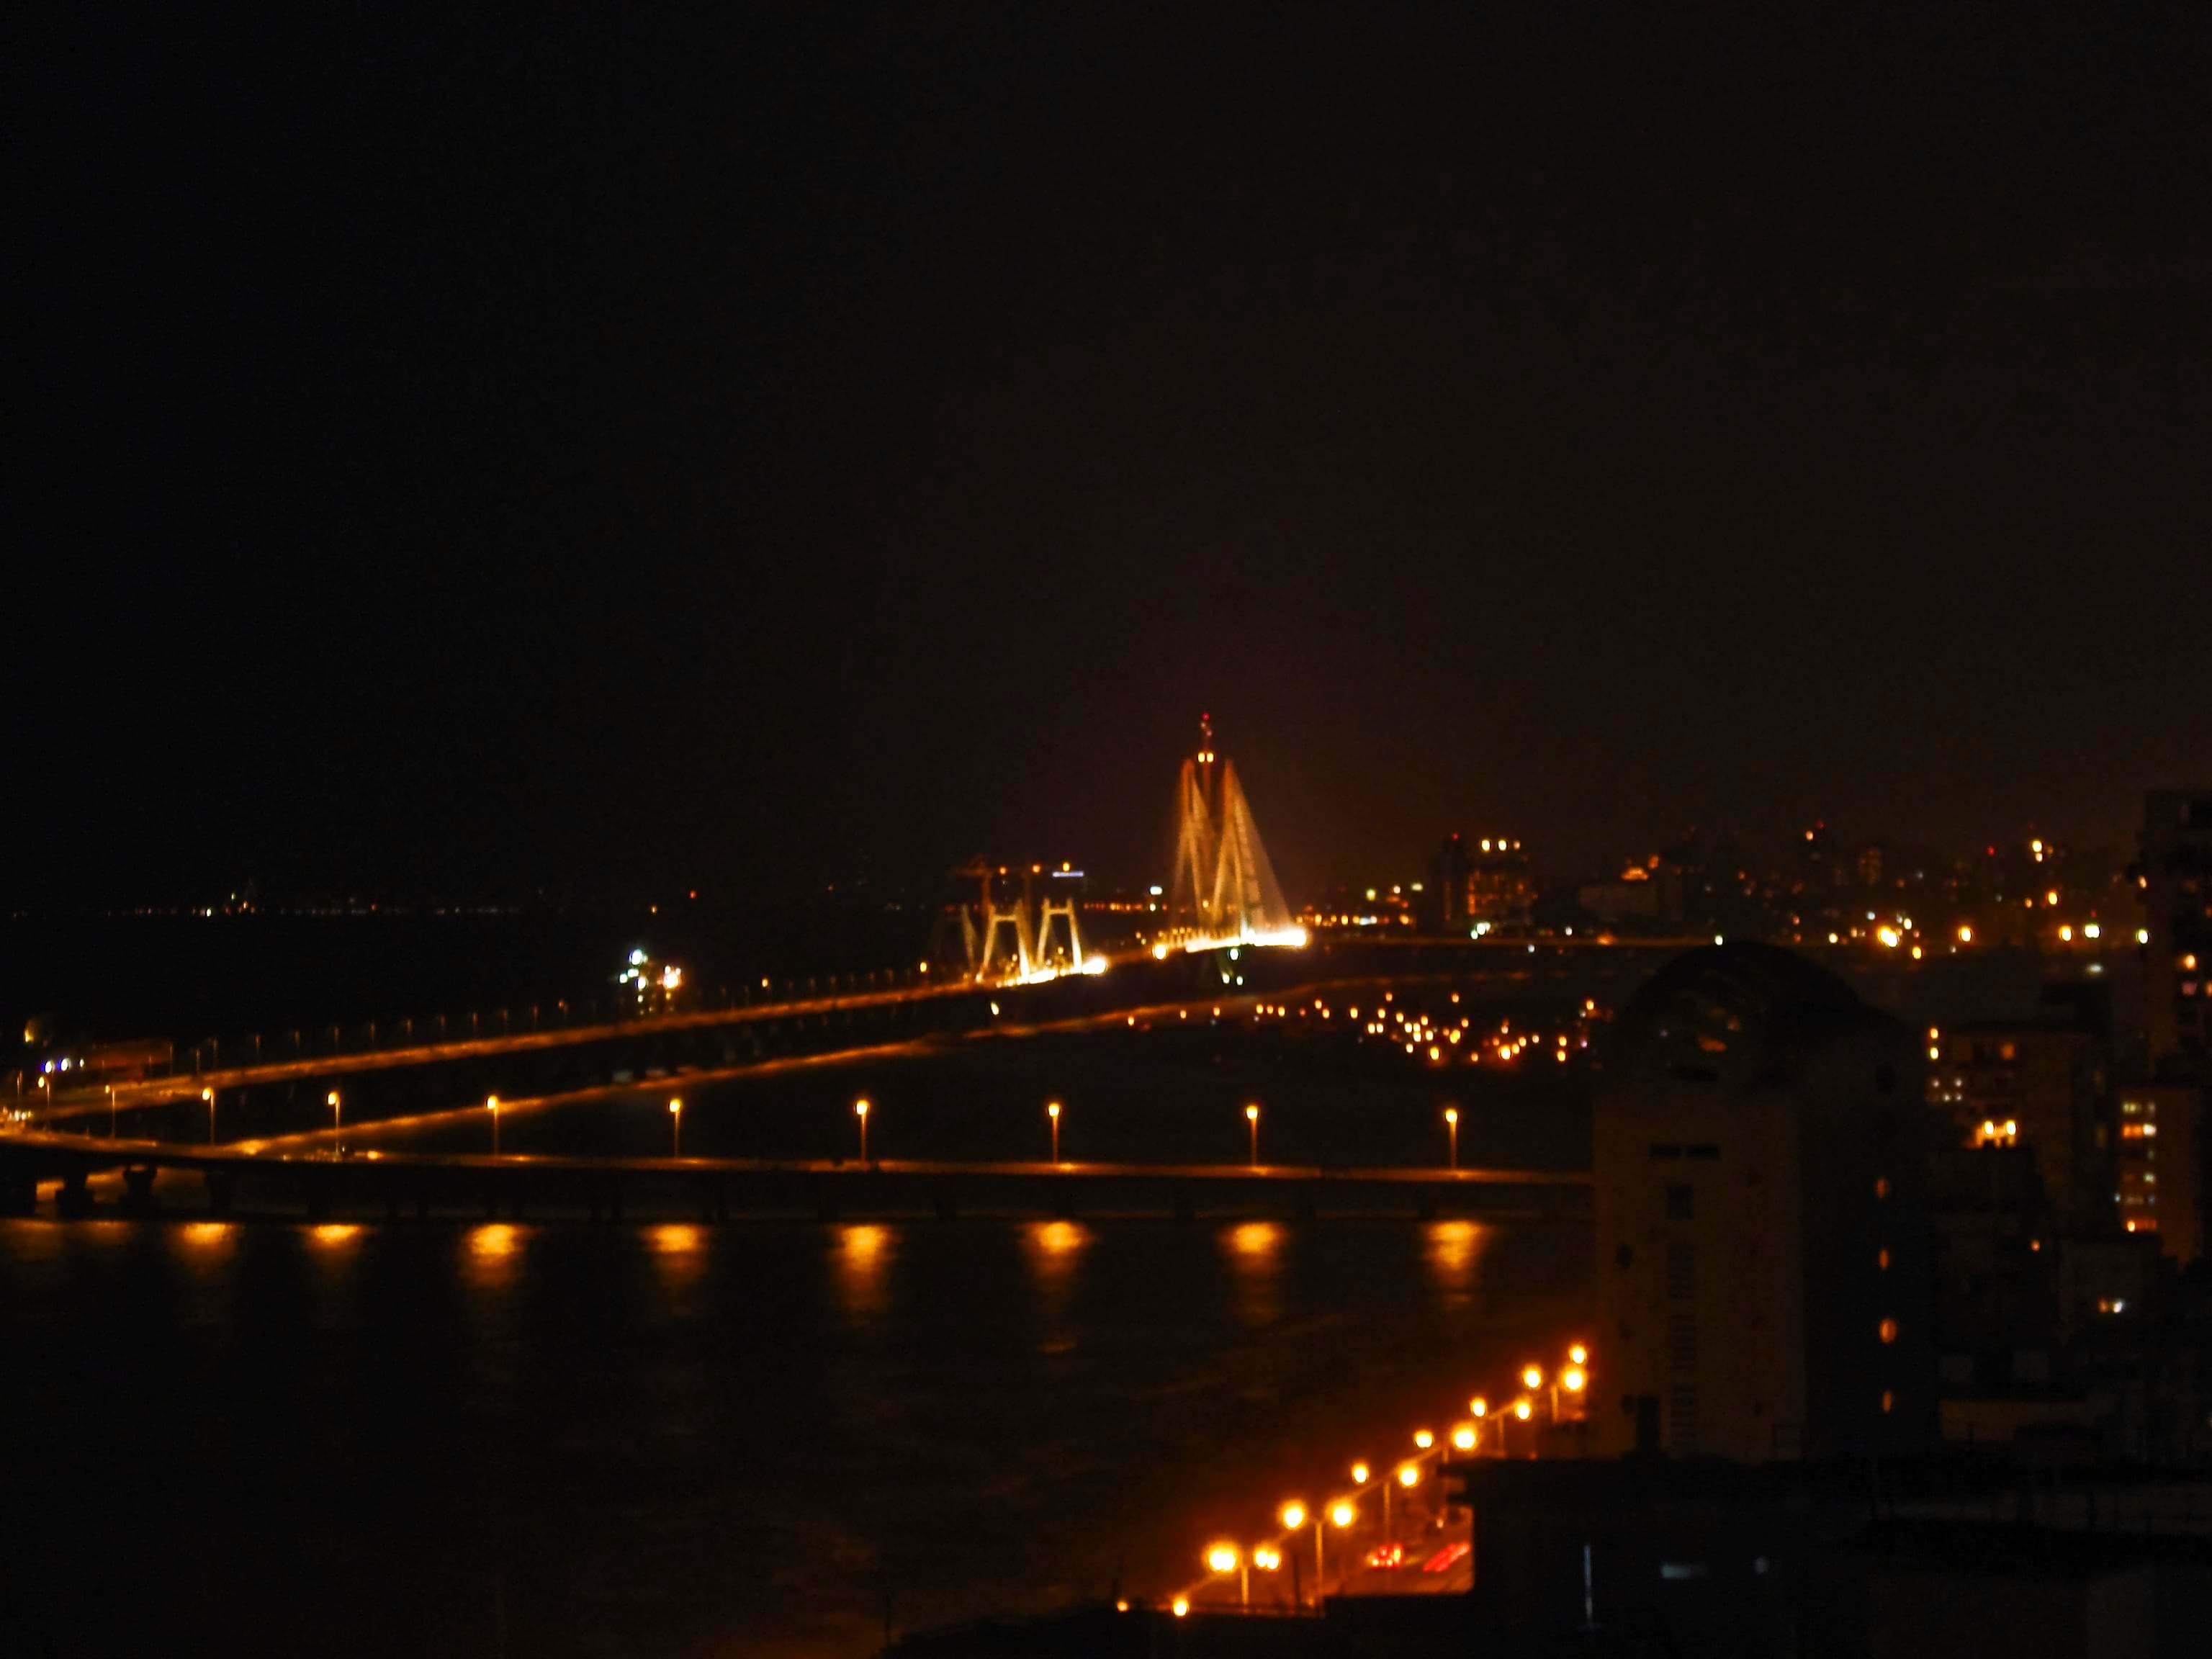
(1342, 1513)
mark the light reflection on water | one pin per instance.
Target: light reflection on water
(1452, 1252)
(864, 1252)
(984, 1417)
(1255, 1250)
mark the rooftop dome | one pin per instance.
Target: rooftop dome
(1727, 1007)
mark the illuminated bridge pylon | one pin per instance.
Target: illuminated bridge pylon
(1224, 887)
(1014, 938)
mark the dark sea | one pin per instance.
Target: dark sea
(766, 1437)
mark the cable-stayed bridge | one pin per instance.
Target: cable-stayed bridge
(1222, 891)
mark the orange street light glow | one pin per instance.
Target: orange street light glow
(1521, 1410)
(1359, 1474)
(1579, 1354)
(1292, 1515)
(1532, 1378)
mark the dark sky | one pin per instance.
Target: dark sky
(605, 446)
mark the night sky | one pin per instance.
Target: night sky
(632, 448)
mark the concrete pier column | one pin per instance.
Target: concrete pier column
(139, 1188)
(74, 1196)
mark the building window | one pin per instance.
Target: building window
(1888, 1329)
(1881, 1187)
(1881, 1260)
(1682, 1421)
(1888, 1400)
(1681, 1343)
(1681, 1201)
(1681, 1271)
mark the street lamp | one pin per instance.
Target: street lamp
(675, 1127)
(860, 1111)
(491, 1105)
(1052, 1111)
(1252, 1117)
(208, 1094)
(1451, 1128)
(1423, 1439)
(337, 1121)
(1267, 1558)
(1579, 1354)
(1225, 1558)
(1292, 1515)
(1359, 1474)
(1341, 1515)
(1463, 1437)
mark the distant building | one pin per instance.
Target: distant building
(1485, 880)
(2160, 1153)
(2039, 1084)
(2177, 893)
(1761, 1263)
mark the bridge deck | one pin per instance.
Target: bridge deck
(715, 1187)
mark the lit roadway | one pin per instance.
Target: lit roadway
(152, 1091)
(182, 1086)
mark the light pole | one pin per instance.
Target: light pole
(1292, 1515)
(1451, 1128)
(1226, 1558)
(338, 1123)
(208, 1094)
(1052, 1111)
(1341, 1515)
(676, 1127)
(1533, 1380)
(491, 1105)
(1267, 1558)
(860, 1111)
(1252, 1117)
(111, 1111)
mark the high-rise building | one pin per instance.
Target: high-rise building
(2039, 1083)
(2177, 894)
(2159, 1149)
(1484, 879)
(1762, 1276)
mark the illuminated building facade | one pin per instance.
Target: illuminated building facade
(2160, 1165)
(1761, 1267)
(2034, 1083)
(1484, 881)
(2177, 895)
